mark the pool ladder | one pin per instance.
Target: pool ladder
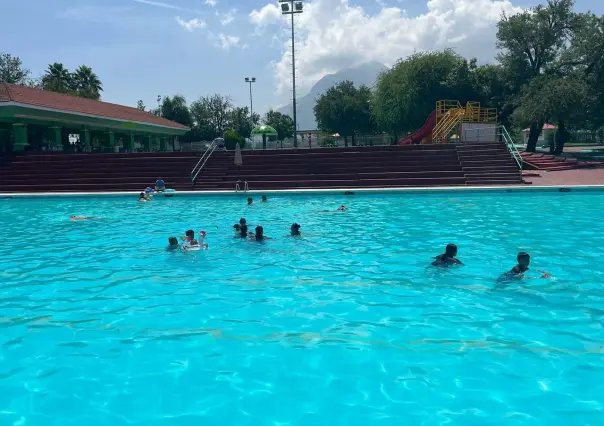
(245, 186)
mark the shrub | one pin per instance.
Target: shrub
(232, 138)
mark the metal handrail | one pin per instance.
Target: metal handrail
(238, 188)
(512, 147)
(496, 132)
(448, 122)
(204, 158)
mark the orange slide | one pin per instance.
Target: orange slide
(424, 132)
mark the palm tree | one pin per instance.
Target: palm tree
(57, 78)
(86, 83)
(175, 109)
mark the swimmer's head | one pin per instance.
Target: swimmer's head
(190, 234)
(242, 221)
(295, 229)
(193, 242)
(524, 259)
(237, 227)
(243, 230)
(173, 241)
(451, 250)
(141, 195)
(259, 230)
(250, 201)
(264, 198)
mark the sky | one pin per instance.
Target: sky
(144, 48)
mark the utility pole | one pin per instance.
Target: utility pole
(251, 80)
(292, 7)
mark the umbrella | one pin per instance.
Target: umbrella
(264, 130)
(238, 158)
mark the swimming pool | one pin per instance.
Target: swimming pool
(345, 326)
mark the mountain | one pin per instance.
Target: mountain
(363, 74)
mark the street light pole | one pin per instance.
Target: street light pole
(291, 7)
(251, 80)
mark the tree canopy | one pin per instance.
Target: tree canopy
(406, 94)
(345, 109)
(12, 70)
(282, 123)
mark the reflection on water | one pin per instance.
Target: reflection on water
(346, 323)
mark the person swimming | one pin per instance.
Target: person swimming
(237, 226)
(250, 201)
(295, 229)
(242, 231)
(448, 257)
(173, 244)
(518, 271)
(142, 198)
(259, 235)
(342, 208)
(189, 235)
(83, 217)
(264, 199)
(192, 244)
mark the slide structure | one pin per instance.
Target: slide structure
(424, 132)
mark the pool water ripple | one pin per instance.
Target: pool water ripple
(346, 325)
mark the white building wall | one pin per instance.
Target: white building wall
(478, 132)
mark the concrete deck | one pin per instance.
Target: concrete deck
(568, 177)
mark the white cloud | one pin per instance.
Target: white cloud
(269, 14)
(164, 5)
(333, 34)
(228, 17)
(226, 42)
(191, 24)
(211, 2)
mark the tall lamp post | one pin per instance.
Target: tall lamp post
(292, 7)
(251, 80)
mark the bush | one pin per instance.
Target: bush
(232, 138)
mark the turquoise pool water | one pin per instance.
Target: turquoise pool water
(345, 326)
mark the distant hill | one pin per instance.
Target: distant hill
(363, 74)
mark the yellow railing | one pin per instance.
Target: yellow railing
(447, 123)
(450, 113)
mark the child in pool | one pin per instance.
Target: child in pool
(259, 235)
(518, 271)
(173, 244)
(448, 257)
(189, 235)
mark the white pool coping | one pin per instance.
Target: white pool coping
(341, 191)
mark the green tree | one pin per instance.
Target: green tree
(584, 59)
(57, 78)
(345, 109)
(12, 70)
(232, 138)
(531, 45)
(210, 115)
(175, 109)
(282, 123)
(406, 94)
(240, 120)
(141, 105)
(493, 91)
(85, 83)
(559, 99)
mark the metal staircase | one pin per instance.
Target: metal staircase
(450, 114)
(447, 124)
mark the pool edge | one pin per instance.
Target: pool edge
(343, 191)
